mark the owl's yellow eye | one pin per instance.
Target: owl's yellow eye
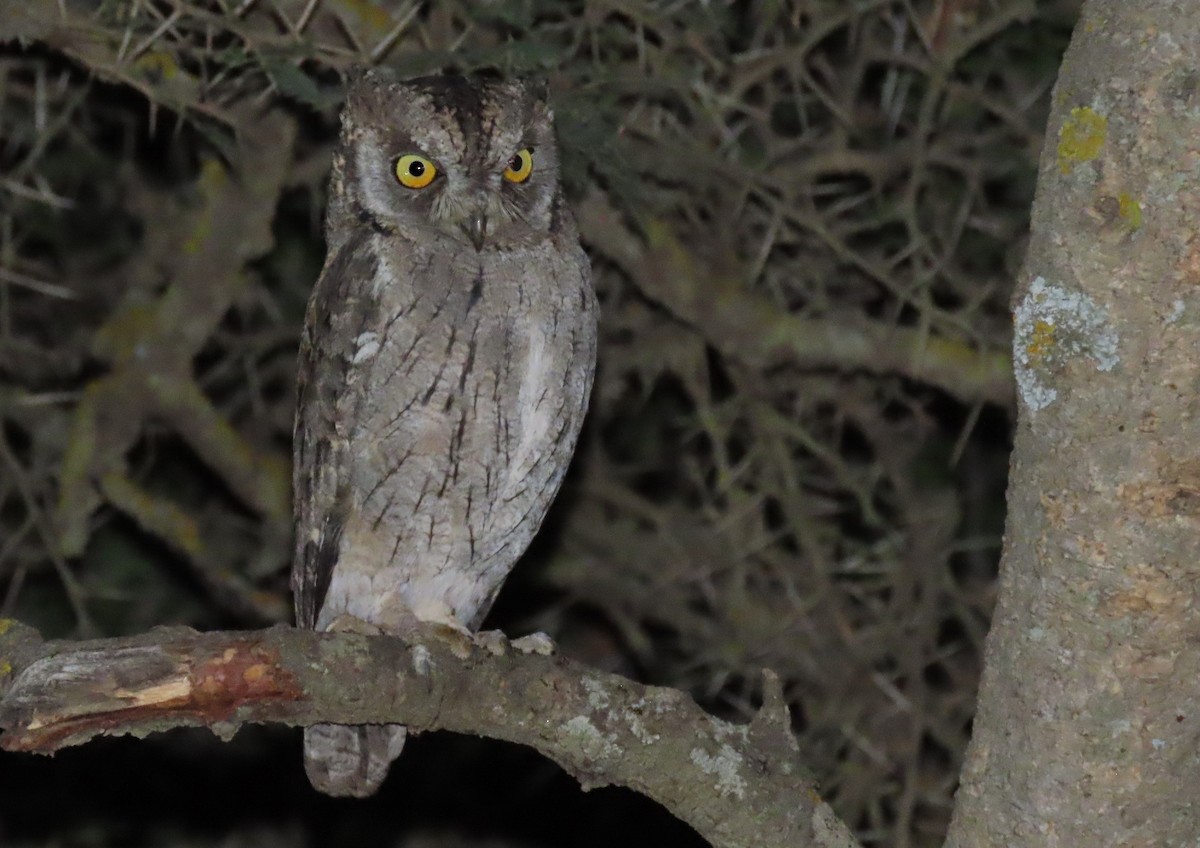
(415, 171)
(519, 167)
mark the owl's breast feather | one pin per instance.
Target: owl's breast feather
(533, 408)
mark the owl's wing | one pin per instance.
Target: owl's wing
(326, 409)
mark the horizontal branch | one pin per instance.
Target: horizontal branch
(737, 785)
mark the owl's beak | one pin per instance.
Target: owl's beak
(476, 229)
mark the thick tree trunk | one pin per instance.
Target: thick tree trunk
(1087, 727)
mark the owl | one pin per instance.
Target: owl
(445, 367)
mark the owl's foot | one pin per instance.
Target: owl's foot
(460, 639)
(440, 613)
(497, 644)
(438, 616)
(492, 641)
(536, 643)
(346, 623)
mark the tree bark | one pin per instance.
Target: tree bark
(1086, 732)
(737, 785)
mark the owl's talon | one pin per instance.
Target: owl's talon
(450, 628)
(457, 637)
(492, 641)
(346, 623)
(536, 643)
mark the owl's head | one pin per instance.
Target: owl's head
(471, 159)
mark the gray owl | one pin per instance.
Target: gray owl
(445, 367)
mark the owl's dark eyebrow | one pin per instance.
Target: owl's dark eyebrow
(452, 94)
(461, 101)
(521, 145)
(403, 143)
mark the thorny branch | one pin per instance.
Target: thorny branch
(737, 785)
(752, 329)
(804, 251)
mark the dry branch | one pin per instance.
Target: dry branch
(843, 164)
(738, 785)
(752, 329)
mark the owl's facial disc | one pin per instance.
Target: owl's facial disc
(454, 204)
(466, 161)
(475, 204)
(517, 171)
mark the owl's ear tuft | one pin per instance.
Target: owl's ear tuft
(361, 79)
(351, 74)
(358, 80)
(378, 74)
(357, 77)
(484, 73)
(539, 87)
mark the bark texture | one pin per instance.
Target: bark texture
(737, 785)
(1087, 726)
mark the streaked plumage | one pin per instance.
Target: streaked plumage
(446, 363)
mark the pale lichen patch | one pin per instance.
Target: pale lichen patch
(1177, 308)
(634, 721)
(722, 730)
(1053, 325)
(658, 702)
(725, 766)
(589, 739)
(596, 693)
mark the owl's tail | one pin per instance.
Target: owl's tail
(352, 761)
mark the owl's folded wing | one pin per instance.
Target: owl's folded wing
(326, 408)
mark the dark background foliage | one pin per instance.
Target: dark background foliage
(803, 219)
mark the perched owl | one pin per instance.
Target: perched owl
(445, 368)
